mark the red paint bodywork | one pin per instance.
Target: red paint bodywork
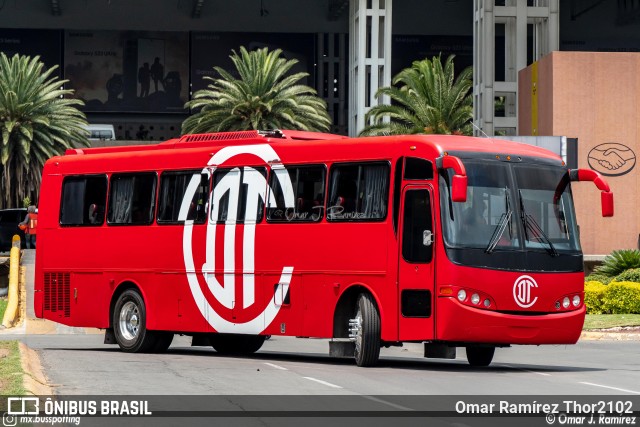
(328, 258)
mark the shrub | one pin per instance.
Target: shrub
(631, 275)
(595, 277)
(619, 261)
(593, 296)
(622, 298)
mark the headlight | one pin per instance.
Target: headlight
(475, 298)
(566, 302)
(576, 300)
(462, 295)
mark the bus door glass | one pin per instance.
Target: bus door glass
(415, 270)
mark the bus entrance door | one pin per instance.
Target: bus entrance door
(415, 269)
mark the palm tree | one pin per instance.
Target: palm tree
(36, 123)
(264, 97)
(427, 98)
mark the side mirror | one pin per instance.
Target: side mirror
(459, 182)
(427, 237)
(606, 196)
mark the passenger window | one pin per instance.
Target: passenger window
(358, 192)
(83, 201)
(173, 186)
(238, 195)
(306, 192)
(131, 199)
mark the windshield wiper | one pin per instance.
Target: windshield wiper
(530, 224)
(502, 225)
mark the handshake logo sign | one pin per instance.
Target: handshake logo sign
(612, 159)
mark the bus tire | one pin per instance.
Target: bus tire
(129, 323)
(480, 355)
(367, 351)
(236, 343)
(163, 341)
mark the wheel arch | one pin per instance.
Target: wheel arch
(346, 306)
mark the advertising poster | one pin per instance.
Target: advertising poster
(120, 71)
(44, 43)
(209, 49)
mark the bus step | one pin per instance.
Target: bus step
(439, 351)
(342, 348)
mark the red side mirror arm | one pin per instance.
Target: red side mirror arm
(459, 182)
(606, 196)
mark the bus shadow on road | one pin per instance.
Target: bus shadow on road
(385, 362)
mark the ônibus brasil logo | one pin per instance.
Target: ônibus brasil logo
(224, 293)
(522, 291)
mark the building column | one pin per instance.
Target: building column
(369, 57)
(517, 22)
(332, 77)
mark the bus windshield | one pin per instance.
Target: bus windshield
(511, 207)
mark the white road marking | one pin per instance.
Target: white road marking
(544, 374)
(612, 388)
(276, 366)
(322, 382)
(393, 405)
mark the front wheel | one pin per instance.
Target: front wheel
(129, 323)
(366, 328)
(480, 356)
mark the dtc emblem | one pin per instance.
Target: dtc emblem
(522, 290)
(225, 293)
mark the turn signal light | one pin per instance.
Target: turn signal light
(469, 297)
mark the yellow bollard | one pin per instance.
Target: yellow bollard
(14, 271)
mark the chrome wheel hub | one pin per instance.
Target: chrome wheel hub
(129, 322)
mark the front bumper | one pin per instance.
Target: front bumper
(459, 323)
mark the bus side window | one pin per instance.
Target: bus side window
(358, 192)
(308, 195)
(83, 200)
(132, 198)
(229, 195)
(173, 185)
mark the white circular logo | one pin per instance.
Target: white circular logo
(522, 291)
(225, 293)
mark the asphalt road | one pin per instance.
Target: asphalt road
(82, 365)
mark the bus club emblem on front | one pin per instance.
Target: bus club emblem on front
(522, 290)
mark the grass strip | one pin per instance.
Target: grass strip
(606, 321)
(3, 307)
(11, 372)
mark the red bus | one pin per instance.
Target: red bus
(231, 237)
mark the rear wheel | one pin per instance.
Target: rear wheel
(236, 344)
(129, 323)
(366, 329)
(480, 356)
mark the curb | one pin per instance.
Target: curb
(34, 379)
(610, 336)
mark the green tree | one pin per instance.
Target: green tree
(264, 97)
(36, 123)
(426, 98)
